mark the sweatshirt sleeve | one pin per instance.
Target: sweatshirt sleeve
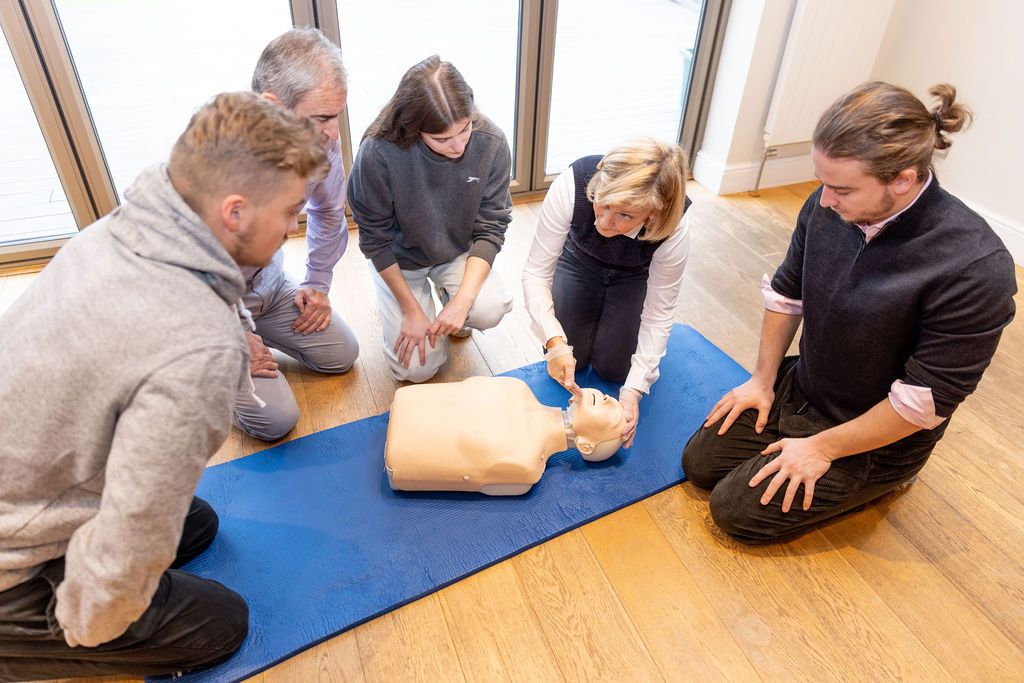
(495, 211)
(173, 423)
(326, 227)
(373, 205)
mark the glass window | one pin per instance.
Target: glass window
(32, 202)
(381, 40)
(145, 67)
(621, 71)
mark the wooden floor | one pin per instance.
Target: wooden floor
(927, 584)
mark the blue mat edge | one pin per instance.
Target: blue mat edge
(439, 587)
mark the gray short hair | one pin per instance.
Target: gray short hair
(296, 62)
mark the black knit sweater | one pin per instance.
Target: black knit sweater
(925, 302)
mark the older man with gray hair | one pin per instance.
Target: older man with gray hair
(302, 71)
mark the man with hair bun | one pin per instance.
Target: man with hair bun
(300, 70)
(903, 293)
(111, 405)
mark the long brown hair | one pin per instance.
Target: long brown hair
(889, 129)
(430, 98)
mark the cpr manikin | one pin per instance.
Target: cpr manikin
(490, 434)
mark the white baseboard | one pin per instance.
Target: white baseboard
(1009, 230)
(732, 178)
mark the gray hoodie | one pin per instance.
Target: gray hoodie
(121, 363)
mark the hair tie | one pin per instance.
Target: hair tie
(938, 122)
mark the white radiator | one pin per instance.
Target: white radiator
(831, 48)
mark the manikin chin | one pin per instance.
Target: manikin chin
(490, 434)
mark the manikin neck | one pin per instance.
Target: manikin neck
(554, 431)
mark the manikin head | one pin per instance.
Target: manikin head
(596, 423)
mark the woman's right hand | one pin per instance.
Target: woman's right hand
(413, 334)
(754, 393)
(561, 362)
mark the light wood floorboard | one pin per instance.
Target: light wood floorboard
(925, 584)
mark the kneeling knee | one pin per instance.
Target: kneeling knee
(697, 465)
(230, 629)
(731, 509)
(490, 316)
(417, 373)
(273, 422)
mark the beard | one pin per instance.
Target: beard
(880, 212)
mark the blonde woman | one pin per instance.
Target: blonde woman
(603, 274)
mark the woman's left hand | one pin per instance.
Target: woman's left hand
(452, 317)
(629, 399)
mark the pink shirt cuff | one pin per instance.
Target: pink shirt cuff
(914, 404)
(774, 301)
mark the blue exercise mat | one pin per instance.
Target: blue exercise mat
(315, 540)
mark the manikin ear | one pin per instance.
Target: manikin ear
(232, 208)
(270, 97)
(904, 181)
(584, 446)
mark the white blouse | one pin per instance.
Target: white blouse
(663, 283)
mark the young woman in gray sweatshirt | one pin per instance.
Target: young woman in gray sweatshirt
(429, 190)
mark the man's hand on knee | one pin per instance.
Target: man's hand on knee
(754, 393)
(801, 461)
(314, 311)
(261, 360)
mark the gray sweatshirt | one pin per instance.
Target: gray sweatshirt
(121, 363)
(420, 209)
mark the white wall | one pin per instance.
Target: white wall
(978, 47)
(754, 42)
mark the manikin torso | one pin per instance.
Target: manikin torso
(487, 434)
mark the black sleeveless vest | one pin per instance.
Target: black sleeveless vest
(619, 251)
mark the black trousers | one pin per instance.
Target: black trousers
(725, 464)
(599, 307)
(191, 623)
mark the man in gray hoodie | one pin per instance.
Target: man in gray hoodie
(121, 364)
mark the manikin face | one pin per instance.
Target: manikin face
(857, 197)
(598, 417)
(452, 142)
(616, 219)
(264, 226)
(323, 105)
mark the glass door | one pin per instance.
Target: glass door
(381, 40)
(618, 70)
(145, 67)
(33, 206)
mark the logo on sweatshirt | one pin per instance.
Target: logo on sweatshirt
(472, 179)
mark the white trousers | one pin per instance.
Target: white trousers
(490, 306)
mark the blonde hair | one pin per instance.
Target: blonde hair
(241, 142)
(644, 175)
(888, 129)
